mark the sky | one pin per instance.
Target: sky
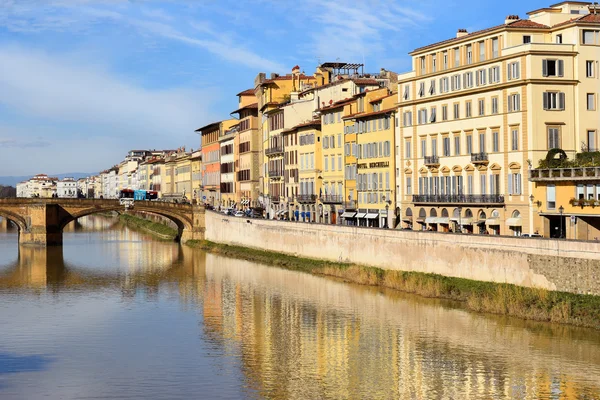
(84, 81)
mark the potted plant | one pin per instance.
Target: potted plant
(574, 202)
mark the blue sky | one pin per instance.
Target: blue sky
(84, 81)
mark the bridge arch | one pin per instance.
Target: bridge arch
(182, 222)
(17, 219)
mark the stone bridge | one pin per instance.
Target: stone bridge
(41, 221)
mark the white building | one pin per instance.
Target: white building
(67, 188)
(39, 186)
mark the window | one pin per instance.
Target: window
(457, 145)
(407, 149)
(446, 146)
(408, 185)
(326, 163)
(495, 142)
(480, 77)
(591, 101)
(481, 104)
(482, 142)
(432, 87)
(468, 79)
(445, 60)
(455, 82)
(513, 71)
(558, 39)
(553, 138)
(494, 105)
(494, 47)
(481, 51)
(407, 118)
(514, 102)
(433, 115)
(469, 144)
(579, 193)
(456, 111)
(590, 37)
(589, 69)
(494, 74)
(422, 89)
(444, 85)
(551, 196)
(433, 63)
(444, 113)
(456, 57)
(339, 162)
(423, 148)
(406, 92)
(422, 65)
(469, 54)
(422, 116)
(526, 39)
(591, 141)
(483, 183)
(553, 67)
(514, 184)
(554, 101)
(470, 184)
(433, 147)
(515, 139)
(339, 140)
(468, 109)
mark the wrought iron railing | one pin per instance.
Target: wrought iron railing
(459, 198)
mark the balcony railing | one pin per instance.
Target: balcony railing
(275, 174)
(332, 199)
(565, 174)
(432, 160)
(459, 198)
(306, 198)
(480, 158)
(274, 150)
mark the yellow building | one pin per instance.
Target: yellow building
(375, 139)
(310, 169)
(331, 196)
(196, 185)
(477, 109)
(183, 173)
(248, 151)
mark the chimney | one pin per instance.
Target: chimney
(461, 33)
(594, 8)
(510, 19)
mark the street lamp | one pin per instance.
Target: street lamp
(560, 210)
(387, 216)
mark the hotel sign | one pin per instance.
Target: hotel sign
(380, 164)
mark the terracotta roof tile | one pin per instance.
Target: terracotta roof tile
(246, 92)
(371, 114)
(246, 107)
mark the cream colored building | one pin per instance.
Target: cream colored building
(479, 109)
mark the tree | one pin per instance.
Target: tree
(7, 191)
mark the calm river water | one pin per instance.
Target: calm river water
(117, 315)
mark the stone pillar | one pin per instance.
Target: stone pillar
(43, 226)
(196, 232)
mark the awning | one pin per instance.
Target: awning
(407, 219)
(492, 221)
(466, 221)
(361, 215)
(456, 219)
(372, 216)
(431, 220)
(514, 222)
(348, 214)
(421, 220)
(443, 220)
(280, 212)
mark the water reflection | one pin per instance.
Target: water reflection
(233, 329)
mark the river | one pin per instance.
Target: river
(115, 314)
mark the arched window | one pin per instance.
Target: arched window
(444, 213)
(433, 212)
(516, 214)
(495, 214)
(409, 212)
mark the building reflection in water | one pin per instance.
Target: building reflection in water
(297, 336)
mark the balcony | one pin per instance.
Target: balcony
(306, 198)
(480, 158)
(332, 199)
(432, 161)
(275, 174)
(564, 174)
(275, 150)
(459, 198)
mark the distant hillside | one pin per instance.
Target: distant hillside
(13, 180)
(7, 191)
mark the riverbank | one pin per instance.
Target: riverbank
(489, 297)
(159, 230)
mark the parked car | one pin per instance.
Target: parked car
(531, 235)
(227, 211)
(239, 214)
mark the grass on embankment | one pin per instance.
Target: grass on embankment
(160, 230)
(489, 297)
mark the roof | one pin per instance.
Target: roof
(253, 106)
(357, 81)
(516, 24)
(337, 104)
(246, 92)
(286, 78)
(371, 114)
(587, 18)
(366, 81)
(375, 100)
(205, 127)
(571, 2)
